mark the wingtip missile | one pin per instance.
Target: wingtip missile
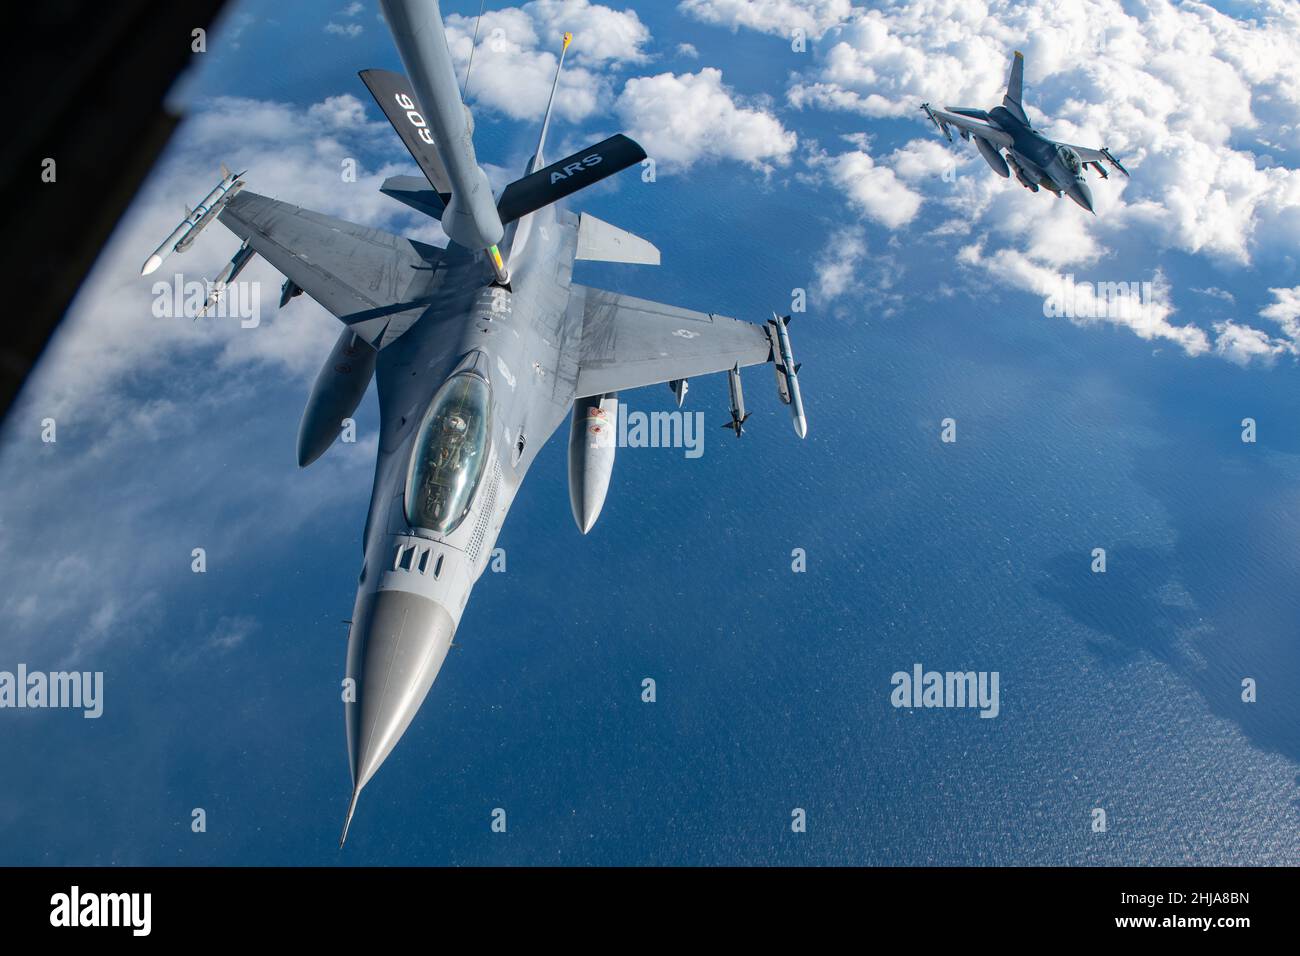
(787, 372)
(1105, 151)
(196, 220)
(938, 123)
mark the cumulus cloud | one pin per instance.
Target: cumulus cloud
(1285, 311)
(922, 159)
(839, 267)
(685, 118)
(1242, 344)
(1145, 311)
(518, 52)
(778, 17)
(873, 189)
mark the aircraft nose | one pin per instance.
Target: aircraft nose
(398, 643)
(1081, 194)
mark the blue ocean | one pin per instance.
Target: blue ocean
(770, 588)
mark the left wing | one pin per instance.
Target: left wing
(968, 125)
(373, 281)
(629, 342)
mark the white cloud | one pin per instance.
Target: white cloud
(1147, 316)
(777, 17)
(1285, 311)
(518, 52)
(688, 50)
(840, 266)
(344, 111)
(1242, 344)
(923, 159)
(873, 189)
(1214, 292)
(686, 118)
(349, 30)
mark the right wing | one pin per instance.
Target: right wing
(943, 119)
(629, 342)
(365, 277)
(1096, 157)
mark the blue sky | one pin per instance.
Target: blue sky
(926, 278)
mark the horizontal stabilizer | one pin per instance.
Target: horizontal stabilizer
(598, 241)
(552, 183)
(393, 94)
(415, 192)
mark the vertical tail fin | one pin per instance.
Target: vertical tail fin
(1015, 88)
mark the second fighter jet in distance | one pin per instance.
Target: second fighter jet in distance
(1008, 142)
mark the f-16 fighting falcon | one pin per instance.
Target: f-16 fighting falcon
(479, 349)
(1036, 160)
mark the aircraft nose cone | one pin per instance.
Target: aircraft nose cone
(397, 645)
(1081, 194)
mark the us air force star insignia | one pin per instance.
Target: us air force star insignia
(686, 334)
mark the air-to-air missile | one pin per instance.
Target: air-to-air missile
(592, 444)
(196, 220)
(787, 372)
(217, 287)
(679, 387)
(738, 413)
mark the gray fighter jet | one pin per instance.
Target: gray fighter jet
(1035, 159)
(480, 350)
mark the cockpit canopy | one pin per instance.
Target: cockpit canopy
(451, 448)
(1071, 160)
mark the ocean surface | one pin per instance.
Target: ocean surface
(1119, 691)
